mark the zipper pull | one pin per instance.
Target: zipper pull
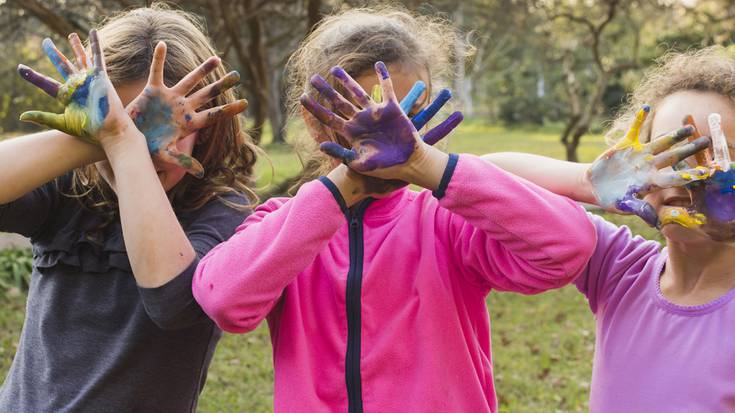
(353, 221)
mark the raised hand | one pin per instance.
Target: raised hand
(86, 92)
(166, 115)
(713, 199)
(381, 135)
(621, 176)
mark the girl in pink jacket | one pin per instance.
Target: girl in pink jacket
(375, 293)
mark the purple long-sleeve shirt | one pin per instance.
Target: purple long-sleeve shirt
(652, 355)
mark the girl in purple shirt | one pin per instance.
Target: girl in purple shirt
(665, 341)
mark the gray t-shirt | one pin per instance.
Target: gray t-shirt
(93, 340)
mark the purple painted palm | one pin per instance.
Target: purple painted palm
(380, 134)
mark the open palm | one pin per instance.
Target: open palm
(166, 115)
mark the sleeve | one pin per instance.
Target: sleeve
(239, 282)
(509, 234)
(30, 214)
(172, 305)
(616, 254)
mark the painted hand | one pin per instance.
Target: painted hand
(381, 135)
(621, 176)
(165, 115)
(713, 199)
(86, 92)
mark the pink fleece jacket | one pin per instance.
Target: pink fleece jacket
(385, 311)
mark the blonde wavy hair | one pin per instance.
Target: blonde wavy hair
(224, 150)
(711, 69)
(355, 39)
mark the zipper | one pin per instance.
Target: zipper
(354, 310)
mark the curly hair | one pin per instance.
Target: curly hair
(224, 150)
(355, 39)
(711, 69)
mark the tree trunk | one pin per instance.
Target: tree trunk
(278, 116)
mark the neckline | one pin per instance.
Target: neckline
(678, 309)
(388, 206)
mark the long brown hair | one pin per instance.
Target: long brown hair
(224, 150)
(355, 39)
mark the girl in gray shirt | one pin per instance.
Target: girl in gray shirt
(111, 325)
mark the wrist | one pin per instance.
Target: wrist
(426, 167)
(350, 189)
(585, 191)
(124, 142)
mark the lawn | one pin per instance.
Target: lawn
(542, 345)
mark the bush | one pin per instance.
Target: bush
(15, 269)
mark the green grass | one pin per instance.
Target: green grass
(542, 345)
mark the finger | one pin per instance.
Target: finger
(79, 53)
(673, 156)
(52, 120)
(313, 126)
(324, 115)
(412, 96)
(97, 57)
(337, 151)
(62, 64)
(215, 89)
(681, 216)
(670, 179)
(668, 140)
(423, 117)
(210, 116)
(190, 81)
(719, 142)
(173, 156)
(155, 76)
(354, 90)
(339, 103)
(385, 82)
(703, 158)
(377, 94)
(640, 208)
(632, 138)
(45, 83)
(443, 129)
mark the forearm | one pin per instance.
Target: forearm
(32, 160)
(157, 246)
(560, 177)
(521, 237)
(240, 280)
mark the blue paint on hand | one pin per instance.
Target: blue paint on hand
(412, 96)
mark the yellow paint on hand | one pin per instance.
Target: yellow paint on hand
(632, 138)
(681, 216)
(377, 94)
